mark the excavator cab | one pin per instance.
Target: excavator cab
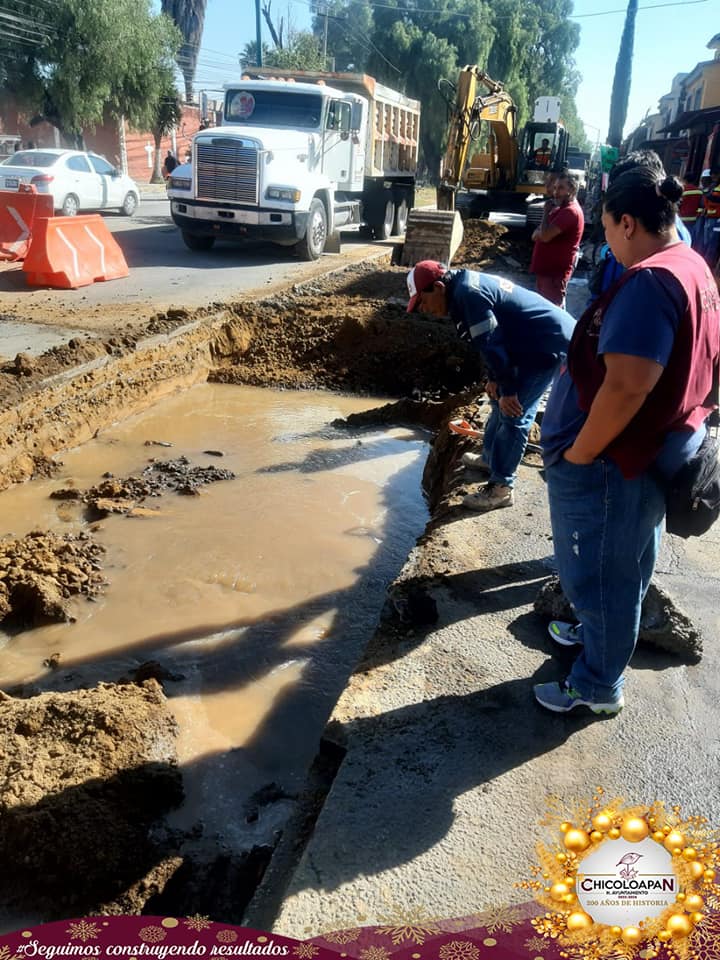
(543, 150)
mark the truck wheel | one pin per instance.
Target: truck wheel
(195, 242)
(313, 243)
(383, 230)
(401, 217)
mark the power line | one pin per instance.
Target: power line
(468, 16)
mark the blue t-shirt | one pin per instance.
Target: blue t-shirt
(640, 321)
(517, 331)
(612, 270)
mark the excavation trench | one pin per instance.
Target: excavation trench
(229, 620)
(156, 751)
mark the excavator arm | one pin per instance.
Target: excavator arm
(437, 234)
(469, 110)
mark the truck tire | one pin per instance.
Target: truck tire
(195, 242)
(384, 229)
(401, 217)
(313, 243)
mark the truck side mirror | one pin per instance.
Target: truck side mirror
(356, 117)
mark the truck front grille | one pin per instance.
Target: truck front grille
(227, 170)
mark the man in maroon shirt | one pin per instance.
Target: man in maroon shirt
(557, 242)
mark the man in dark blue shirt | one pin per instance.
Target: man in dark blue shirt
(522, 337)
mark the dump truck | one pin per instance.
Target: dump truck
(299, 156)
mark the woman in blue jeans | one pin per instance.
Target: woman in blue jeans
(627, 411)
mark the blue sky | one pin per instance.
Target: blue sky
(670, 38)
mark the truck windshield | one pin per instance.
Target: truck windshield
(273, 108)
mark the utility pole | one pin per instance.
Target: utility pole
(325, 38)
(258, 33)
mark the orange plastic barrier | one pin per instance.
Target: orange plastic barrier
(70, 252)
(18, 212)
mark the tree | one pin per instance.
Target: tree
(100, 59)
(167, 117)
(189, 17)
(301, 51)
(623, 76)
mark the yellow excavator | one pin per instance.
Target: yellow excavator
(437, 234)
(500, 177)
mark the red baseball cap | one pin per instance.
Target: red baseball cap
(421, 279)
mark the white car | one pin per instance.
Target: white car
(75, 179)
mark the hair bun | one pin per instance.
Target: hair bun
(671, 189)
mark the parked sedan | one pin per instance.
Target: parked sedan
(75, 179)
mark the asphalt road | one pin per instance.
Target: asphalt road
(164, 273)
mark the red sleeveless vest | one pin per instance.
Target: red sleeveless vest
(682, 397)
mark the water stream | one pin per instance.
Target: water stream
(257, 596)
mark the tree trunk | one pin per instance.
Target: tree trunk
(623, 77)
(157, 176)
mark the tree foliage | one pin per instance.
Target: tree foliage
(92, 60)
(168, 116)
(623, 76)
(526, 44)
(189, 17)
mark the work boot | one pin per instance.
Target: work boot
(475, 462)
(491, 497)
(561, 698)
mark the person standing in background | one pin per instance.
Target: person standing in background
(557, 245)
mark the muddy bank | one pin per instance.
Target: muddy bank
(86, 776)
(40, 574)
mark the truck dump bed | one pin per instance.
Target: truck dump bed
(394, 133)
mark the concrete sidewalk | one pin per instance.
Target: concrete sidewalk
(448, 758)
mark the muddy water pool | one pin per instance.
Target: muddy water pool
(258, 596)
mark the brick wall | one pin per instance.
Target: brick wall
(105, 139)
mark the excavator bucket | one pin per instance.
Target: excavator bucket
(431, 235)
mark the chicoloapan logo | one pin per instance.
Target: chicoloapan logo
(623, 883)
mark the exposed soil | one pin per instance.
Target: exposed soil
(41, 572)
(95, 769)
(85, 776)
(123, 496)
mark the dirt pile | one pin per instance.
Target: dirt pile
(85, 777)
(115, 495)
(41, 572)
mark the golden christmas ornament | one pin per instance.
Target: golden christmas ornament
(709, 874)
(602, 822)
(576, 840)
(679, 925)
(596, 836)
(558, 891)
(616, 931)
(631, 936)
(613, 833)
(694, 902)
(634, 829)
(690, 853)
(697, 869)
(579, 921)
(674, 841)
(565, 826)
(664, 936)
(697, 918)
(681, 897)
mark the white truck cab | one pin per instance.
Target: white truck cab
(295, 160)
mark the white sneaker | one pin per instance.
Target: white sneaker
(475, 462)
(491, 497)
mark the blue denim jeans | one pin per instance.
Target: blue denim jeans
(506, 437)
(606, 533)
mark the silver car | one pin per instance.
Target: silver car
(76, 180)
